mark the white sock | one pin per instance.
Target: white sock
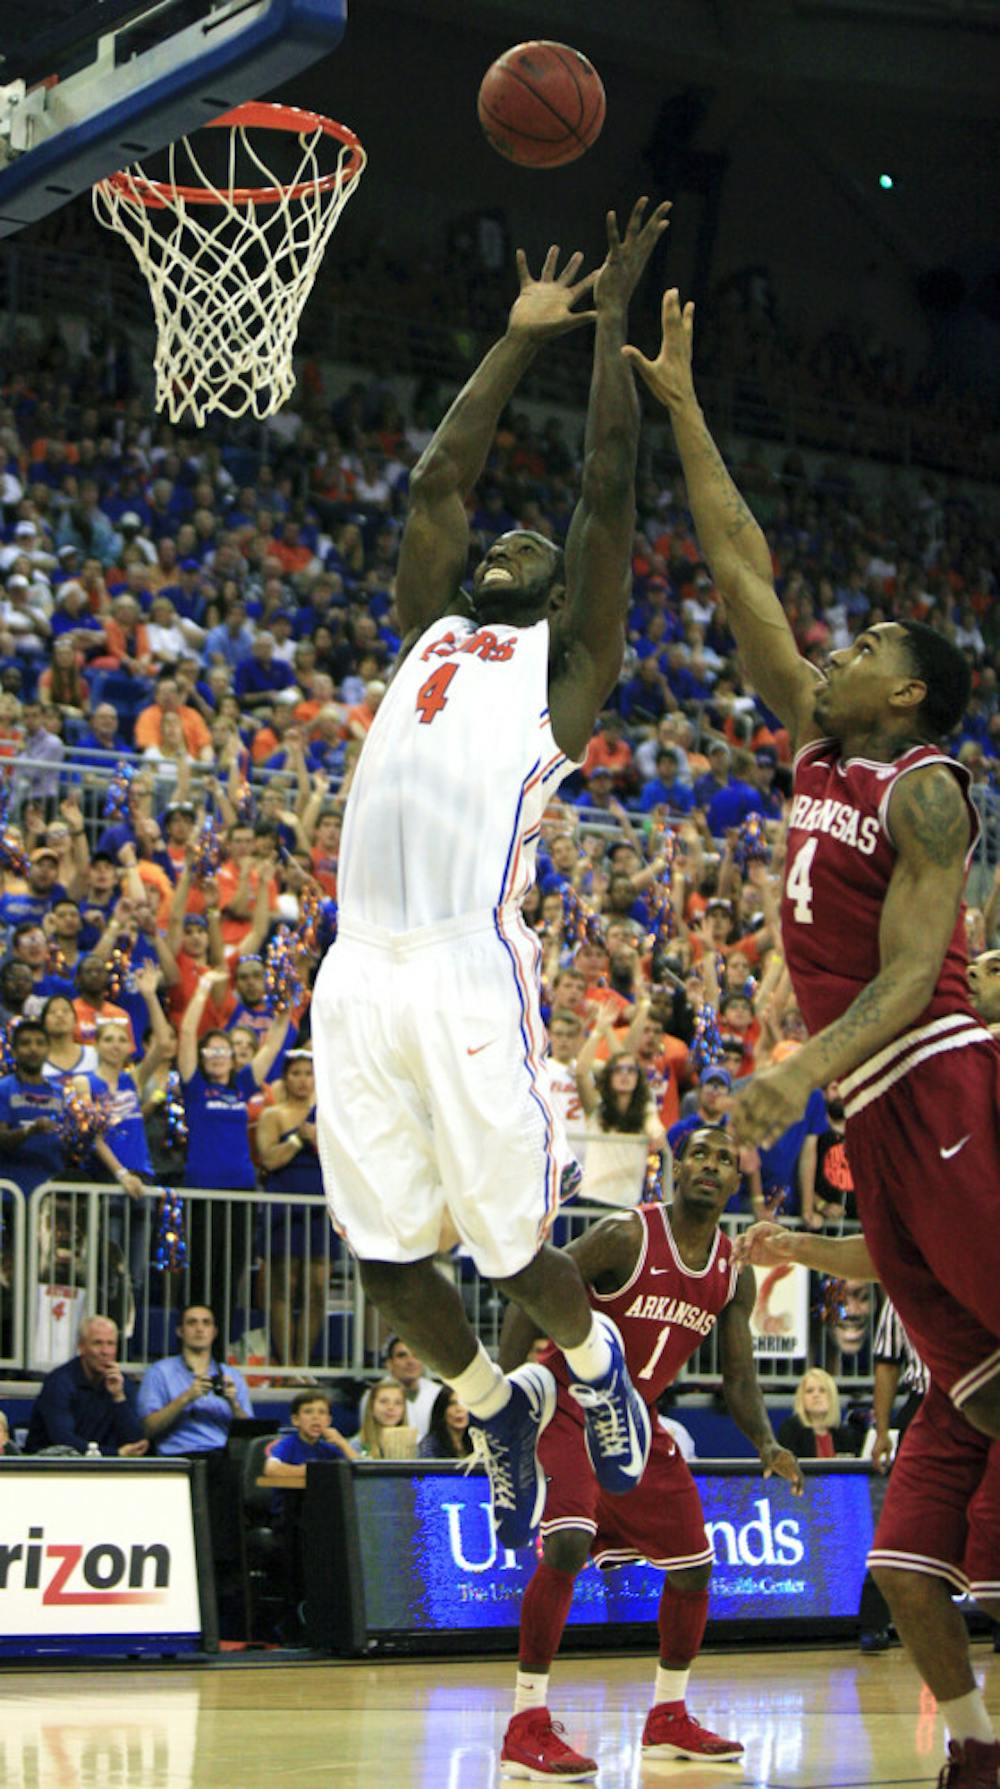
(670, 1686)
(531, 1691)
(482, 1387)
(967, 1718)
(591, 1358)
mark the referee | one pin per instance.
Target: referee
(898, 1369)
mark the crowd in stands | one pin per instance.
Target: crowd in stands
(223, 627)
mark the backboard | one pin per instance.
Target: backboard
(120, 79)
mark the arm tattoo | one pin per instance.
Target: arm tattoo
(933, 813)
(738, 515)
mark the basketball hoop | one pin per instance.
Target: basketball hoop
(230, 265)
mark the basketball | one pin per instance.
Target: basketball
(541, 104)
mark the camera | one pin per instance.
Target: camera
(217, 1384)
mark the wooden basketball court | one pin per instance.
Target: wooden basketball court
(808, 1719)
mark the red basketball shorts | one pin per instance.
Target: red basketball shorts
(924, 1148)
(661, 1521)
(941, 1513)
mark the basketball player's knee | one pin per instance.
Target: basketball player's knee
(391, 1284)
(567, 1550)
(907, 1593)
(691, 1581)
(982, 1410)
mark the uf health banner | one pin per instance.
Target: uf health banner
(90, 1553)
(776, 1557)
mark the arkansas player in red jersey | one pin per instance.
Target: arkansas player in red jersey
(879, 835)
(666, 1276)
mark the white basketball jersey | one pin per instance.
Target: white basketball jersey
(446, 804)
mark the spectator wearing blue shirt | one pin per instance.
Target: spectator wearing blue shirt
(28, 906)
(232, 640)
(313, 1438)
(88, 1399)
(216, 1097)
(31, 1110)
(103, 734)
(666, 789)
(731, 805)
(716, 776)
(187, 1402)
(646, 696)
(763, 774)
(783, 1166)
(259, 677)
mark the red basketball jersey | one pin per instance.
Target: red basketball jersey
(665, 1309)
(840, 859)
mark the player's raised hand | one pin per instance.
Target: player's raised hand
(669, 376)
(627, 255)
(779, 1463)
(544, 306)
(773, 1100)
(764, 1245)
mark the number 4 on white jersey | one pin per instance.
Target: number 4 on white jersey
(798, 886)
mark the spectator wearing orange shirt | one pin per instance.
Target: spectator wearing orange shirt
(149, 721)
(609, 750)
(291, 552)
(92, 1003)
(239, 881)
(360, 717)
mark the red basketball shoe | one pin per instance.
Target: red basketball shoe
(971, 1766)
(533, 1747)
(670, 1732)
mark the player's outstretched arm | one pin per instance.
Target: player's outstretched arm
(435, 542)
(929, 825)
(741, 1386)
(728, 532)
(771, 1245)
(589, 636)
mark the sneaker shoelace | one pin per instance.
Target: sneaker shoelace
(496, 1459)
(605, 1417)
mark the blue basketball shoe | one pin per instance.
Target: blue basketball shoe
(509, 1439)
(616, 1422)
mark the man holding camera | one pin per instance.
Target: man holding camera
(187, 1401)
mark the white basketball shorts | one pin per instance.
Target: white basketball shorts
(432, 1091)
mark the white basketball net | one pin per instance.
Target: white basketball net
(229, 279)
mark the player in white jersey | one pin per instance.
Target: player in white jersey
(432, 1088)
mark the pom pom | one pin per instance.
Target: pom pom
(706, 1047)
(13, 857)
(832, 1306)
(751, 843)
(281, 975)
(652, 1190)
(245, 805)
(6, 1045)
(170, 1246)
(175, 1129)
(118, 965)
(208, 851)
(119, 794)
(82, 1123)
(310, 915)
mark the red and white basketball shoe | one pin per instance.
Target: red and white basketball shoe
(972, 1765)
(670, 1732)
(533, 1748)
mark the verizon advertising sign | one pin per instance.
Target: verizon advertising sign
(91, 1553)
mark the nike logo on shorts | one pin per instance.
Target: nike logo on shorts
(946, 1154)
(485, 1046)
